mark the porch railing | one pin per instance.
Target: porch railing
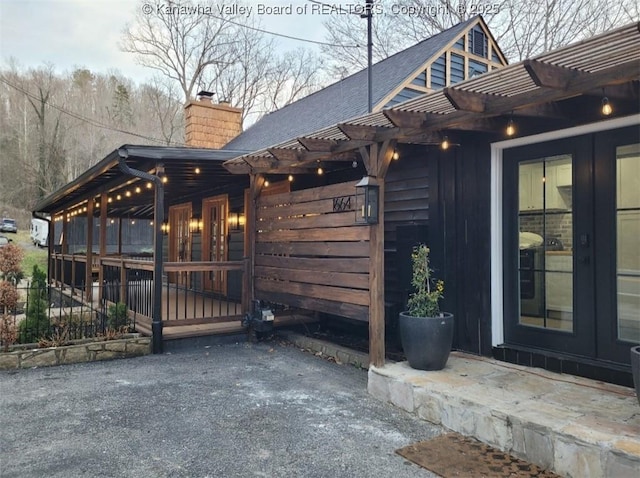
(193, 293)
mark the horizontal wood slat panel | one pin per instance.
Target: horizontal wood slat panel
(307, 195)
(315, 264)
(333, 275)
(338, 279)
(310, 222)
(355, 233)
(352, 311)
(337, 294)
(323, 206)
(341, 249)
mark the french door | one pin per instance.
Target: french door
(214, 240)
(572, 245)
(179, 240)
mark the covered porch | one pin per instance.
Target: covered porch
(112, 233)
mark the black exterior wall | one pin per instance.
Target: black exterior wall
(460, 236)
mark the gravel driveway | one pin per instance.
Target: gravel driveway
(238, 410)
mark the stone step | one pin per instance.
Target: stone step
(573, 426)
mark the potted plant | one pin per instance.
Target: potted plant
(426, 333)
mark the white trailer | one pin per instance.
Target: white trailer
(39, 232)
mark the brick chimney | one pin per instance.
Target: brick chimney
(210, 125)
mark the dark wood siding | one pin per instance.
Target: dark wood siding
(406, 204)
(460, 238)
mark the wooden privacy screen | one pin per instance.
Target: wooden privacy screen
(311, 254)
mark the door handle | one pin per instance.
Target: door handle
(584, 240)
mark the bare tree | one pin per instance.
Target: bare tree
(243, 83)
(228, 55)
(162, 100)
(293, 76)
(179, 43)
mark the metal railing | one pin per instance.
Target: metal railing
(50, 315)
(192, 292)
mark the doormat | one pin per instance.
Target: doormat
(454, 455)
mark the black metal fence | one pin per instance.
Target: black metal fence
(50, 315)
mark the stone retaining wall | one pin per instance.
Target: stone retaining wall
(86, 352)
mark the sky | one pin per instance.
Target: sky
(85, 33)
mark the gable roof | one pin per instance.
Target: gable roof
(345, 99)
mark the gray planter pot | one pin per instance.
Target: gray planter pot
(635, 369)
(426, 341)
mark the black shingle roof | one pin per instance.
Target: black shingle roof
(342, 100)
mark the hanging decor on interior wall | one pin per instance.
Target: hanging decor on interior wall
(426, 333)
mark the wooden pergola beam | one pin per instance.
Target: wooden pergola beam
(285, 154)
(546, 75)
(405, 119)
(361, 132)
(317, 145)
(466, 100)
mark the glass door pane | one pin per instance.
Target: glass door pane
(628, 241)
(545, 225)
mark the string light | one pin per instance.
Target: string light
(320, 171)
(395, 155)
(149, 185)
(127, 193)
(445, 143)
(266, 183)
(606, 106)
(197, 170)
(290, 178)
(138, 190)
(511, 128)
(165, 179)
(118, 197)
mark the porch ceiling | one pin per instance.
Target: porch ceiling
(188, 170)
(553, 90)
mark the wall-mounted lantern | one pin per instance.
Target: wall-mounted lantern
(367, 194)
(235, 220)
(165, 228)
(195, 224)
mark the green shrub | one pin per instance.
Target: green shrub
(117, 316)
(36, 325)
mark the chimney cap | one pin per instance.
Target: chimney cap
(204, 94)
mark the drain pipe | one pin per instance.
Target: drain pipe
(156, 324)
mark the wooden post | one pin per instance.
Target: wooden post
(120, 236)
(63, 246)
(103, 242)
(256, 181)
(379, 159)
(51, 238)
(88, 281)
(123, 282)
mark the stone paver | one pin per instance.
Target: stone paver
(576, 427)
